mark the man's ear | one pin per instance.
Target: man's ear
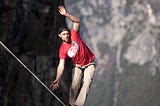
(59, 35)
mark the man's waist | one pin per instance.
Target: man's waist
(83, 66)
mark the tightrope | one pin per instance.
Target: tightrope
(32, 73)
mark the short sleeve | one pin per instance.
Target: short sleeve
(62, 53)
(74, 34)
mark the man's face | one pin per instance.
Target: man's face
(65, 36)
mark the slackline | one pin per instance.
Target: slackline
(32, 73)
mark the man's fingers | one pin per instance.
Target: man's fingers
(59, 7)
(54, 86)
(51, 85)
(53, 82)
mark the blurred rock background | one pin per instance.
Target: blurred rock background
(123, 34)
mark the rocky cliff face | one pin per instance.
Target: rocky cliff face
(29, 29)
(125, 36)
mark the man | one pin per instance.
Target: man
(83, 59)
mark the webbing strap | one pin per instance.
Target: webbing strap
(32, 73)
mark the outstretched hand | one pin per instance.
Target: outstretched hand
(62, 10)
(54, 85)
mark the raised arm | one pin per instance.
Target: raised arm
(75, 20)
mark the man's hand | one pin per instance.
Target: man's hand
(75, 20)
(62, 10)
(55, 85)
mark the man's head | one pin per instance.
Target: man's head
(64, 34)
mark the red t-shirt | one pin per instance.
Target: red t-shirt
(77, 50)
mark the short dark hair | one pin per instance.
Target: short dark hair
(63, 28)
